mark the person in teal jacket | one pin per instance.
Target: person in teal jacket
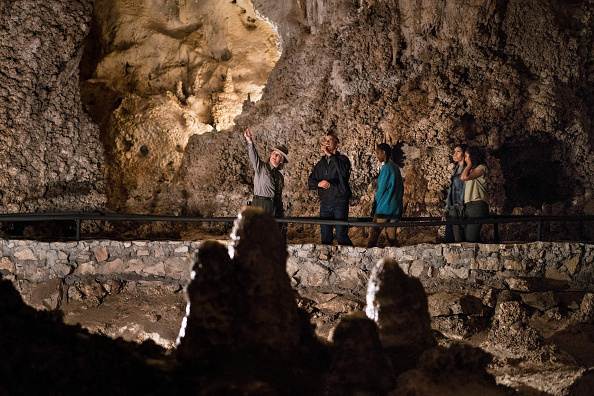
(387, 204)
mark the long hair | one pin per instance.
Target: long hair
(477, 156)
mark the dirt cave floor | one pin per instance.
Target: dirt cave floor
(547, 356)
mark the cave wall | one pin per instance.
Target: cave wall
(499, 74)
(50, 155)
(512, 76)
(155, 73)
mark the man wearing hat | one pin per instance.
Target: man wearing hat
(268, 181)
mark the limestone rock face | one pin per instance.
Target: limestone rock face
(50, 155)
(398, 304)
(513, 78)
(159, 72)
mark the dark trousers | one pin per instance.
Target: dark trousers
(471, 232)
(449, 233)
(335, 211)
(273, 207)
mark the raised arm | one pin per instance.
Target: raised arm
(468, 173)
(253, 154)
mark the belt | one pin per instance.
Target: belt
(265, 198)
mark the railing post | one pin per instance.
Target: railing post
(77, 229)
(538, 230)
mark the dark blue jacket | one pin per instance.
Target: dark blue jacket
(336, 170)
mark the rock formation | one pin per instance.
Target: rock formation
(243, 334)
(155, 74)
(514, 77)
(242, 318)
(51, 158)
(398, 304)
(245, 300)
(359, 363)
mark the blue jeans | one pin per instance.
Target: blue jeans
(335, 211)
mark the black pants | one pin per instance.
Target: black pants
(273, 207)
(471, 232)
(335, 211)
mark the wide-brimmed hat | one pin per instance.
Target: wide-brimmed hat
(282, 150)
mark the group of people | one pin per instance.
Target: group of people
(330, 178)
(467, 195)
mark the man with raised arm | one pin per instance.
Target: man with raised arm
(268, 181)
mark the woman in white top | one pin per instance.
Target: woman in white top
(476, 203)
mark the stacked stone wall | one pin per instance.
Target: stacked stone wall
(320, 272)
(346, 269)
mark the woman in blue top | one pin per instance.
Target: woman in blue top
(456, 190)
(387, 204)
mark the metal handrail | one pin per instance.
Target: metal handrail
(78, 217)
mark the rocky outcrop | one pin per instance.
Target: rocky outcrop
(51, 157)
(244, 300)
(512, 77)
(243, 333)
(156, 74)
(359, 362)
(242, 315)
(398, 305)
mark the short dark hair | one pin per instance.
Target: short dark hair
(333, 136)
(385, 147)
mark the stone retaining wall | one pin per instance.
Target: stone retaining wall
(40, 261)
(336, 269)
(327, 269)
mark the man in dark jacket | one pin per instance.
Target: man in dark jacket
(330, 176)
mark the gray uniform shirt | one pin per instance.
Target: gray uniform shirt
(268, 181)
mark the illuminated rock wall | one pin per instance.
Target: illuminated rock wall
(156, 73)
(514, 77)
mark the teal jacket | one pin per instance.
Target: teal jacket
(387, 203)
